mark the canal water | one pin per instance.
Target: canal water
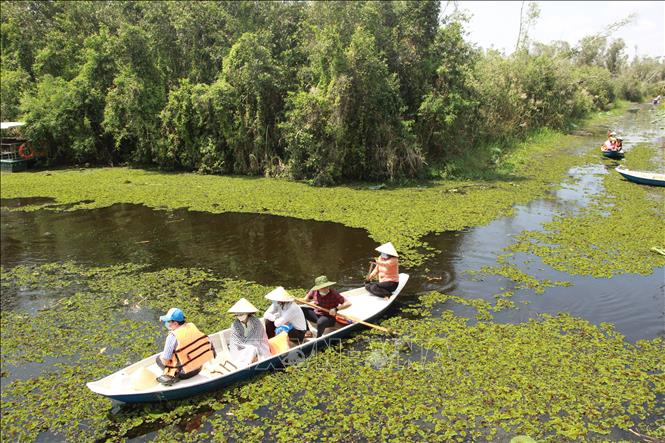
(274, 250)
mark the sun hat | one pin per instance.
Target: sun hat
(387, 248)
(279, 294)
(242, 306)
(322, 282)
(174, 314)
(142, 379)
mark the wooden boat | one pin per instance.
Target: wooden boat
(118, 386)
(613, 154)
(642, 177)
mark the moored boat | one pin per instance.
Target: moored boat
(642, 177)
(119, 385)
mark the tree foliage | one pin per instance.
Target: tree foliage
(314, 91)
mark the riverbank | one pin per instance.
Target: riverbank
(402, 215)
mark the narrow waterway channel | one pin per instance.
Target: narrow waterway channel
(274, 250)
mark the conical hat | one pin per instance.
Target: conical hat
(242, 306)
(279, 294)
(142, 379)
(388, 248)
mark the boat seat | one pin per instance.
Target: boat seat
(222, 363)
(217, 341)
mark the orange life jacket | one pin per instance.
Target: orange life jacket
(194, 349)
(388, 269)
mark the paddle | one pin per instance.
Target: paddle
(348, 317)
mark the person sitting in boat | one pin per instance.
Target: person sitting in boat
(328, 298)
(386, 269)
(185, 351)
(613, 143)
(284, 315)
(249, 342)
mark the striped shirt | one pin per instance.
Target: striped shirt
(170, 346)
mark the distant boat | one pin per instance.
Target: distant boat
(613, 154)
(642, 177)
(118, 385)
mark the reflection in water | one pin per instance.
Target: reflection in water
(263, 248)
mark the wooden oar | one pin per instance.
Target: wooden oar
(372, 264)
(348, 317)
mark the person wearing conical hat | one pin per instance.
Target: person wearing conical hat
(249, 342)
(328, 298)
(284, 314)
(386, 269)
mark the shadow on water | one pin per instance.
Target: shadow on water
(21, 202)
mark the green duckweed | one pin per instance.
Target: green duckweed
(555, 378)
(614, 234)
(407, 213)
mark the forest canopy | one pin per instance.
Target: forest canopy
(318, 91)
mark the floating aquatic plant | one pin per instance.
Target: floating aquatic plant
(611, 236)
(555, 378)
(401, 214)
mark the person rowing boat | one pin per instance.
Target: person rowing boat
(325, 297)
(386, 269)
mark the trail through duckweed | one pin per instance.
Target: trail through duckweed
(614, 234)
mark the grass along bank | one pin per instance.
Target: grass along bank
(401, 214)
(555, 378)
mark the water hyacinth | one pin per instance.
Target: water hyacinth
(443, 377)
(408, 212)
(615, 234)
(555, 378)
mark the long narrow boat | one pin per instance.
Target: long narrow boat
(118, 385)
(642, 177)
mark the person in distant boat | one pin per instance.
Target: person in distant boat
(656, 100)
(284, 315)
(249, 342)
(613, 143)
(386, 269)
(328, 298)
(185, 351)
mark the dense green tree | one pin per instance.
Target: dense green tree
(136, 97)
(14, 83)
(318, 91)
(447, 114)
(252, 73)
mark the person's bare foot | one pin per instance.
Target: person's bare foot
(308, 334)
